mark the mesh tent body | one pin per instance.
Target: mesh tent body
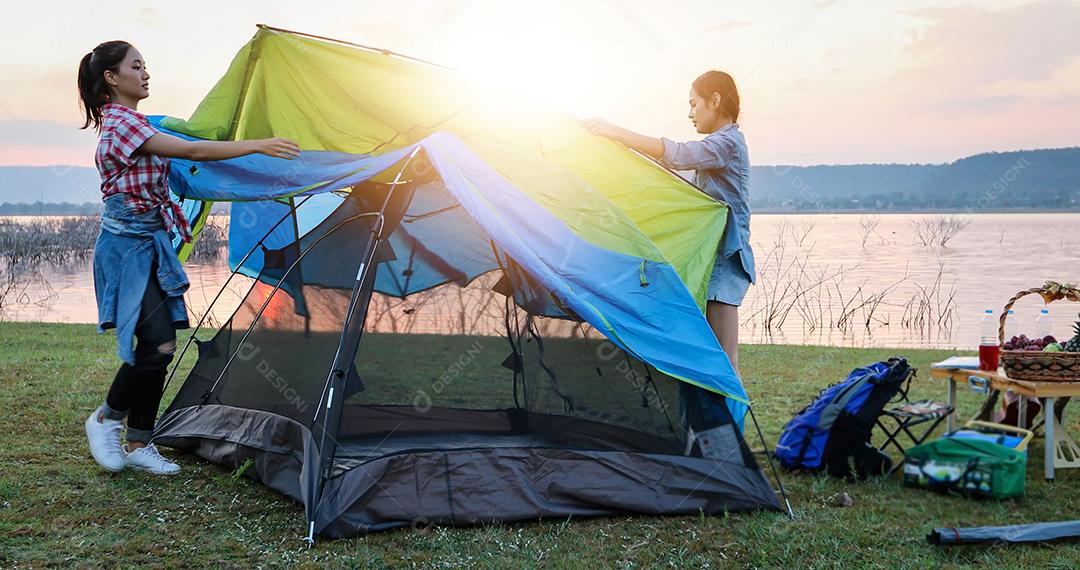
(603, 335)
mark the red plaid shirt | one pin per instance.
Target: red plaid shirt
(142, 178)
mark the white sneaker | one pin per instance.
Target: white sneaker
(104, 438)
(148, 458)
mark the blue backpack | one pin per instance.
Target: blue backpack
(833, 432)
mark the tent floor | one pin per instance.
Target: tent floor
(370, 432)
(356, 450)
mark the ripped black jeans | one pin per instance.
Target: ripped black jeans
(136, 390)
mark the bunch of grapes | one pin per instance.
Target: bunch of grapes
(1022, 342)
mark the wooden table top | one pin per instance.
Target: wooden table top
(999, 381)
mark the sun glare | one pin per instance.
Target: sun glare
(526, 62)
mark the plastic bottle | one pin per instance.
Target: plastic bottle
(989, 349)
(1043, 324)
(1010, 325)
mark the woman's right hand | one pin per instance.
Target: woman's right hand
(278, 147)
(601, 127)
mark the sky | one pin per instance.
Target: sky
(821, 82)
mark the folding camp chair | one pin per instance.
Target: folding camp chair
(903, 419)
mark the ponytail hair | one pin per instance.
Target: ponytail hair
(719, 82)
(93, 91)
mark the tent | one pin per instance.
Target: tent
(460, 310)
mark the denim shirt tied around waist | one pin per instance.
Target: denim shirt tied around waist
(127, 247)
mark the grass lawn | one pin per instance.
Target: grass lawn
(58, 508)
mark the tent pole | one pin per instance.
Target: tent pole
(339, 369)
(772, 465)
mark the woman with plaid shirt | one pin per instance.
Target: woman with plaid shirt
(138, 279)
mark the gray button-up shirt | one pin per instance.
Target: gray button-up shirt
(721, 165)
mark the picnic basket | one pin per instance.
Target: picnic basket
(1039, 366)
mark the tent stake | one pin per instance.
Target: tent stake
(772, 465)
(309, 540)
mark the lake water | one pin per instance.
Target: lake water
(831, 279)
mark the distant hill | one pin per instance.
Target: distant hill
(776, 185)
(1030, 179)
(1024, 179)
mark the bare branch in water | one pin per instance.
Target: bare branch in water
(867, 226)
(822, 296)
(938, 230)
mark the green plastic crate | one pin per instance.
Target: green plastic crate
(969, 467)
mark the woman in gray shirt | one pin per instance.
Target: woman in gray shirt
(721, 166)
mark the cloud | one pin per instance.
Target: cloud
(972, 61)
(727, 26)
(972, 46)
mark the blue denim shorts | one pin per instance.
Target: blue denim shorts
(729, 280)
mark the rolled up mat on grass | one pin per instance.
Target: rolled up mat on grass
(1036, 532)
